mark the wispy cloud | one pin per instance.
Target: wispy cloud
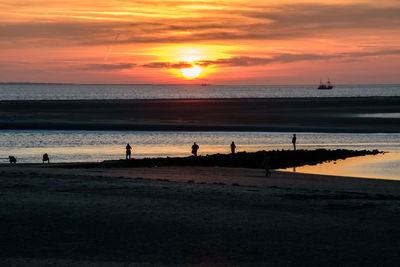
(168, 65)
(255, 22)
(244, 61)
(108, 67)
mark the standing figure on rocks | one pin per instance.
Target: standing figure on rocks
(195, 147)
(294, 141)
(128, 151)
(233, 147)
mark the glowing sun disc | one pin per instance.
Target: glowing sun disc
(191, 73)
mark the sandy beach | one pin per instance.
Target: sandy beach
(194, 216)
(275, 114)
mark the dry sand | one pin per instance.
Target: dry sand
(194, 216)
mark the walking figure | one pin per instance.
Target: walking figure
(46, 158)
(128, 151)
(266, 164)
(233, 147)
(12, 159)
(294, 141)
(195, 147)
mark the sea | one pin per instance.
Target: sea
(95, 146)
(32, 91)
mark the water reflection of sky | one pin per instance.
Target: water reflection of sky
(379, 115)
(74, 146)
(385, 166)
(108, 91)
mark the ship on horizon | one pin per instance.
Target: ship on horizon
(204, 83)
(325, 86)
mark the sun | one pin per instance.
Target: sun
(191, 73)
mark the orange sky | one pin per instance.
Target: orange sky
(226, 42)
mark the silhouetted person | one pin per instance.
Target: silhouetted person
(266, 164)
(195, 147)
(233, 147)
(12, 159)
(45, 158)
(128, 151)
(294, 141)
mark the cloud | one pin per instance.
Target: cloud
(266, 23)
(329, 16)
(168, 65)
(235, 61)
(361, 54)
(15, 62)
(109, 67)
(244, 61)
(254, 22)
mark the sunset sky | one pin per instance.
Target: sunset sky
(187, 41)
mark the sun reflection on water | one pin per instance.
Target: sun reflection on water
(386, 166)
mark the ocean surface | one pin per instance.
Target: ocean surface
(80, 146)
(95, 146)
(80, 91)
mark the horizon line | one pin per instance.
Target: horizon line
(159, 84)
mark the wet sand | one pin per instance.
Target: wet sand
(195, 216)
(294, 115)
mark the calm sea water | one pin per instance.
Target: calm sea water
(75, 92)
(73, 146)
(79, 146)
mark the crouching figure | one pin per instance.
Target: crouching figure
(46, 158)
(12, 159)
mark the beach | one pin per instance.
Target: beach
(194, 216)
(120, 213)
(342, 114)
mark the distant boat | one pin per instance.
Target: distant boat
(204, 82)
(325, 86)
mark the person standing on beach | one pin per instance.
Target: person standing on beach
(233, 147)
(128, 151)
(195, 147)
(294, 141)
(266, 164)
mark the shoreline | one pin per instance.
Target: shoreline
(67, 166)
(273, 159)
(276, 159)
(72, 165)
